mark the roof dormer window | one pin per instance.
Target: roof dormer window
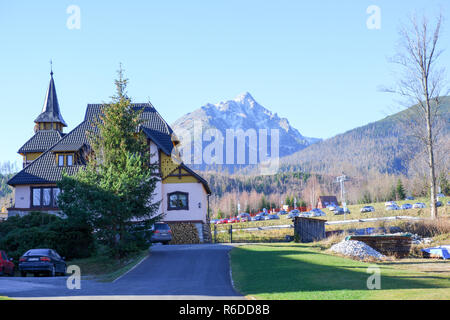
(64, 160)
(61, 160)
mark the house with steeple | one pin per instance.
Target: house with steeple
(183, 194)
(48, 127)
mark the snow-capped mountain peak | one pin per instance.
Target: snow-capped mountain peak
(244, 112)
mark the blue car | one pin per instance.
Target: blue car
(37, 261)
(406, 206)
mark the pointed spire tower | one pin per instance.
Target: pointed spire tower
(50, 117)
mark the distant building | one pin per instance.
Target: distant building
(325, 201)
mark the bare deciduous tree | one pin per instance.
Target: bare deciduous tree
(422, 84)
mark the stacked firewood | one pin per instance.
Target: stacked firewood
(184, 233)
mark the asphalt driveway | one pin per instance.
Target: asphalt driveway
(170, 272)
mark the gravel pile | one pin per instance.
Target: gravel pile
(356, 249)
(416, 239)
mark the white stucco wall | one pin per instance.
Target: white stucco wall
(22, 197)
(154, 154)
(197, 195)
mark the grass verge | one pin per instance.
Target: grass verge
(290, 271)
(106, 269)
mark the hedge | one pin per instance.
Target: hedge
(43, 230)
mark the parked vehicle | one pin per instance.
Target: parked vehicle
(440, 195)
(332, 207)
(367, 209)
(282, 212)
(305, 214)
(222, 221)
(161, 233)
(406, 206)
(419, 205)
(340, 210)
(257, 218)
(448, 203)
(317, 213)
(392, 207)
(37, 261)
(244, 215)
(274, 217)
(214, 221)
(390, 203)
(438, 204)
(293, 214)
(6, 265)
(409, 198)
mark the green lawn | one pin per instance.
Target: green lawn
(298, 271)
(106, 269)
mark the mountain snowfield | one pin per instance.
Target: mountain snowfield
(244, 113)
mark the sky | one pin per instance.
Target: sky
(317, 63)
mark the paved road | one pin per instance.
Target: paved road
(170, 272)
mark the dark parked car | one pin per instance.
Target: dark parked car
(340, 211)
(6, 265)
(37, 261)
(438, 204)
(161, 233)
(367, 209)
(257, 218)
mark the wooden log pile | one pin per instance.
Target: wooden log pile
(184, 233)
(398, 246)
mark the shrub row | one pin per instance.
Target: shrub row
(43, 230)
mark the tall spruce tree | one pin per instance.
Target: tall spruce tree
(400, 190)
(115, 189)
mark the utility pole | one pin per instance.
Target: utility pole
(341, 179)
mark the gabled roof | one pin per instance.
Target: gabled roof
(154, 126)
(65, 147)
(50, 111)
(203, 181)
(328, 199)
(44, 169)
(41, 141)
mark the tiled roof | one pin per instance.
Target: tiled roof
(45, 170)
(154, 126)
(41, 141)
(63, 147)
(50, 111)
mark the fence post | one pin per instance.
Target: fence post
(231, 233)
(215, 234)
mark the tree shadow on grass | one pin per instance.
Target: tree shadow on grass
(282, 271)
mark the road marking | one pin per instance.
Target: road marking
(142, 260)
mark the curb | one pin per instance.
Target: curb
(142, 260)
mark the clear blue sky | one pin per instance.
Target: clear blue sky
(313, 62)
